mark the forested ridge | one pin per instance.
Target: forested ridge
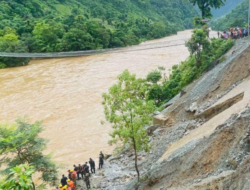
(229, 6)
(236, 18)
(72, 25)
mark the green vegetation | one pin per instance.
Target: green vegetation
(21, 144)
(206, 5)
(128, 110)
(203, 55)
(72, 25)
(19, 178)
(236, 18)
(129, 104)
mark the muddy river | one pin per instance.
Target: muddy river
(66, 94)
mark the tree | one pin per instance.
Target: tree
(19, 178)
(198, 44)
(20, 144)
(10, 43)
(127, 109)
(47, 36)
(76, 40)
(206, 5)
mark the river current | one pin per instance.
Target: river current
(66, 94)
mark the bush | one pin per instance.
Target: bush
(154, 76)
(2, 65)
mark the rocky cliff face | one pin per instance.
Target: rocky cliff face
(201, 140)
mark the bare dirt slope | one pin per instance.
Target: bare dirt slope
(204, 140)
(214, 154)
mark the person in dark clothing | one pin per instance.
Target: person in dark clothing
(86, 167)
(64, 180)
(102, 157)
(86, 179)
(77, 171)
(75, 168)
(92, 165)
(80, 170)
(100, 161)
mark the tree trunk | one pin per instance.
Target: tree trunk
(136, 166)
(34, 187)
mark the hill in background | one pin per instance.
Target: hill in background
(229, 6)
(71, 25)
(236, 18)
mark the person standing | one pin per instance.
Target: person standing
(86, 179)
(92, 165)
(102, 156)
(80, 170)
(76, 169)
(100, 161)
(73, 176)
(64, 180)
(86, 168)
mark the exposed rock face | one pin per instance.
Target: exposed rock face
(203, 142)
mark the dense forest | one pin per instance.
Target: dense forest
(236, 18)
(72, 25)
(229, 6)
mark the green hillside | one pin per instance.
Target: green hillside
(71, 25)
(236, 18)
(229, 6)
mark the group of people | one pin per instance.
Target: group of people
(233, 33)
(80, 172)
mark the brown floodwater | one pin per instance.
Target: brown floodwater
(66, 94)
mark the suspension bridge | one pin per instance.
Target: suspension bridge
(148, 46)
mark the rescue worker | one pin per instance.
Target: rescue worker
(86, 179)
(73, 176)
(60, 187)
(77, 170)
(92, 165)
(64, 180)
(71, 184)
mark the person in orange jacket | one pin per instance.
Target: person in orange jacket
(71, 184)
(73, 176)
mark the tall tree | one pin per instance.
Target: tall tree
(206, 5)
(127, 109)
(21, 144)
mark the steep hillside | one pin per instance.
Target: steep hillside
(60, 25)
(201, 140)
(236, 18)
(229, 6)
